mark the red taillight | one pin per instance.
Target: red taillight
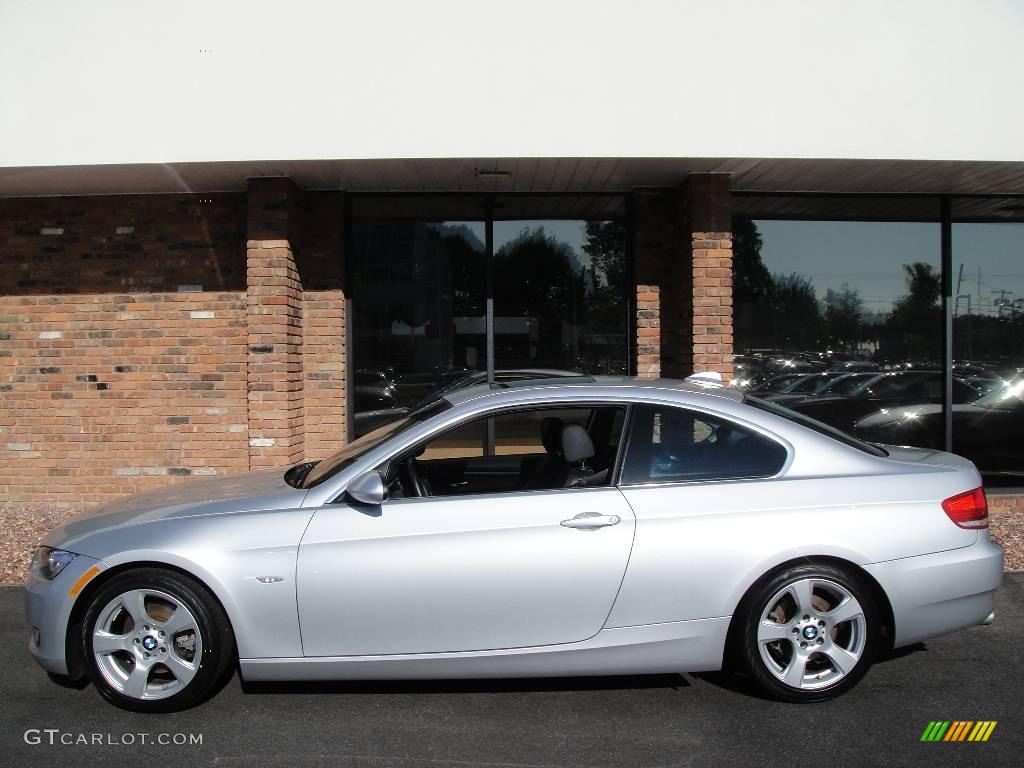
(968, 510)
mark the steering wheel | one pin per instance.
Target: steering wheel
(417, 483)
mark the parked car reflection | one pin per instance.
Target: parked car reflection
(373, 389)
(886, 390)
(986, 431)
(807, 385)
(776, 384)
(753, 371)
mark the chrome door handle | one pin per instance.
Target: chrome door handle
(588, 521)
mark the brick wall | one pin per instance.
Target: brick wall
(127, 334)
(105, 394)
(122, 244)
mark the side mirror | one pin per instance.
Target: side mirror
(367, 489)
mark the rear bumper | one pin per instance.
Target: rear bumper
(48, 607)
(941, 592)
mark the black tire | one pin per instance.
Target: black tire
(864, 636)
(215, 659)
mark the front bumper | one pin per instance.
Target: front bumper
(48, 607)
(934, 594)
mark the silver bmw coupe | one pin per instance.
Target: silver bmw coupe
(597, 527)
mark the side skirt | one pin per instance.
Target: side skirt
(680, 646)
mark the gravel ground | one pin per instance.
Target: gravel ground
(1008, 530)
(23, 525)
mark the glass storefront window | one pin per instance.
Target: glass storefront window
(845, 293)
(559, 295)
(418, 316)
(419, 264)
(988, 334)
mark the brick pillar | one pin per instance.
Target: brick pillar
(708, 209)
(682, 266)
(654, 233)
(322, 268)
(274, 297)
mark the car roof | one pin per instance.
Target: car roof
(598, 386)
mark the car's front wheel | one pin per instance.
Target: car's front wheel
(810, 633)
(155, 640)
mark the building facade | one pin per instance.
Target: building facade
(199, 298)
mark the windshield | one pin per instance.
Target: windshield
(819, 427)
(845, 384)
(892, 383)
(812, 382)
(778, 382)
(332, 465)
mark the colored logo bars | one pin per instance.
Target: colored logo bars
(958, 730)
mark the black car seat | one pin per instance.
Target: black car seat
(545, 471)
(577, 450)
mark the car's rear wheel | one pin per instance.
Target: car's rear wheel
(810, 633)
(155, 640)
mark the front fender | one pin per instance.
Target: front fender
(246, 560)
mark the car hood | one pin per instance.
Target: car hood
(251, 491)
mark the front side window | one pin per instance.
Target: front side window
(669, 444)
(533, 450)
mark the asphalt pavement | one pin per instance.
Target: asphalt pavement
(665, 720)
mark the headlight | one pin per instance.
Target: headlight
(48, 562)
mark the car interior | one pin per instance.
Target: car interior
(539, 449)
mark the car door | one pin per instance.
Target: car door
(697, 481)
(464, 572)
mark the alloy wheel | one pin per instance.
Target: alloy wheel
(147, 644)
(812, 633)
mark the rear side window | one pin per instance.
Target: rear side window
(668, 444)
